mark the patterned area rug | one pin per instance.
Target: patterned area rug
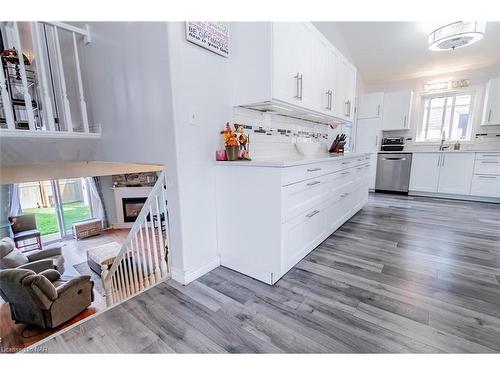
(84, 269)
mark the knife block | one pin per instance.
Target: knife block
(337, 147)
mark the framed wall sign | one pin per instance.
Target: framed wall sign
(213, 36)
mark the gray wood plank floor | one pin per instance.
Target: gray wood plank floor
(404, 275)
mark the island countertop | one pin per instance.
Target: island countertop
(283, 162)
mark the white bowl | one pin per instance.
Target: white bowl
(308, 148)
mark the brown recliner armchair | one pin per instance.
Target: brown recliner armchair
(36, 260)
(44, 299)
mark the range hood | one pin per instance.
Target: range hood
(285, 109)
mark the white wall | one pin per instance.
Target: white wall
(478, 79)
(201, 85)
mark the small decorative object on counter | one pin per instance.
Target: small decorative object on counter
(220, 155)
(456, 146)
(243, 140)
(231, 143)
(338, 144)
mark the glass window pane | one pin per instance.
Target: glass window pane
(38, 198)
(75, 201)
(460, 117)
(435, 118)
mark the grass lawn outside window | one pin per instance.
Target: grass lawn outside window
(46, 219)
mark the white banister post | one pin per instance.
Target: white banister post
(155, 247)
(83, 104)
(150, 253)
(163, 263)
(167, 224)
(147, 271)
(140, 263)
(7, 106)
(62, 81)
(107, 285)
(48, 114)
(24, 79)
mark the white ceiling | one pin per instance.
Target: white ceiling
(392, 51)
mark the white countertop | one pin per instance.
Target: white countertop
(434, 151)
(290, 162)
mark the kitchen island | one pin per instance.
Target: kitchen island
(273, 212)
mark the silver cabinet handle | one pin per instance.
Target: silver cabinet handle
(344, 195)
(490, 162)
(378, 110)
(314, 169)
(489, 116)
(301, 84)
(376, 140)
(331, 99)
(359, 168)
(348, 108)
(404, 122)
(313, 183)
(489, 177)
(360, 159)
(345, 173)
(346, 162)
(442, 163)
(298, 78)
(439, 160)
(398, 159)
(315, 212)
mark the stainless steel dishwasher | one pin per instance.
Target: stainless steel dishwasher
(393, 172)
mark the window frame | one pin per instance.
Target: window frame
(445, 94)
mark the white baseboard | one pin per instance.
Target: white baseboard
(455, 196)
(185, 277)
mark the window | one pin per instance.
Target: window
(450, 114)
(57, 204)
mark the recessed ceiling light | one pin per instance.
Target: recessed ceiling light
(456, 35)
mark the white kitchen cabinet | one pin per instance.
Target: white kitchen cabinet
(491, 113)
(455, 174)
(485, 186)
(293, 70)
(424, 175)
(370, 105)
(368, 136)
(269, 217)
(397, 110)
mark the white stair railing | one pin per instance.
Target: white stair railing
(143, 258)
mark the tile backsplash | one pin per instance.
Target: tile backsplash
(273, 135)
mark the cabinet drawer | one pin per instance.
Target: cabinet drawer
(292, 175)
(485, 186)
(302, 196)
(487, 166)
(301, 235)
(488, 155)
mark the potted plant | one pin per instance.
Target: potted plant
(231, 143)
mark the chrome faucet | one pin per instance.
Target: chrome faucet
(442, 147)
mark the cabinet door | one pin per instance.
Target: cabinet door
(397, 109)
(368, 135)
(485, 186)
(314, 81)
(491, 115)
(340, 94)
(288, 61)
(370, 105)
(350, 91)
(301, 235)
(424, 175)
(332, 61)
(456, 173)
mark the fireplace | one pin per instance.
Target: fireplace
(131, 208)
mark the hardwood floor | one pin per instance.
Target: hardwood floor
(404, 275)
(14, 337)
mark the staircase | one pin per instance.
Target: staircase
(143, 259)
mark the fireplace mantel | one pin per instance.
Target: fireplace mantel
(127, 192)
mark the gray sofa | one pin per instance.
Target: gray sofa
(36, 260)
(44, 299)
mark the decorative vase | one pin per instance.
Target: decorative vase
(232, 152)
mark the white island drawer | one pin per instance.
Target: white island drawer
(302, 196)
(485, 186)
(487, 166)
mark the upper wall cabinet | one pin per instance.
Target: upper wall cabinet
(370, 105)
(397, 110)
(291, 68)
(491, 114)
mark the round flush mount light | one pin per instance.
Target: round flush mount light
(456, 35)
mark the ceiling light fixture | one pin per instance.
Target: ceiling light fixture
(456, 35)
